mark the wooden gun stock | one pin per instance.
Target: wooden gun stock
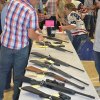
(51, 74)
(34, 69)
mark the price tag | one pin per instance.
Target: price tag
(46, 99)
(44, 69)
(43, 59)
(40, 76)
(56, 94)
(36, 86)
(43, 46)
(51, 61)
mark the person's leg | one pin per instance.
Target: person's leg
(20, 62)
(97, 62)
(8, 81)
(87, 22)
(92, 27)
(77, 40)
(6, 60)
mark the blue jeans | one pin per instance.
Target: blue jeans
(78, 39)
(97, 62)
(89, 21)
(16, 58)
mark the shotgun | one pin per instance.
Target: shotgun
(52, 86)
(58, 47)
(44, 95)
(51, 67)
(55, 39)
(56, 61)
(51, 74)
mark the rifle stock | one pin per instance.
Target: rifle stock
(51, 74)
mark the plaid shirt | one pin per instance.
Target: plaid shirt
(51, 7)
(20, 16)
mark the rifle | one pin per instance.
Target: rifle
(51, 74)
(52, 86)
(44, 95)
(56, 60)
(54, 47)
(49, 43)
(42, 64)
(55, 39)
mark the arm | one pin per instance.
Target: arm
(33, 26)
(34, 36)
(68, 27)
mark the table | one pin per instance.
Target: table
(71, 58)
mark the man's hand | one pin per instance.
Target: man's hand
(40, 38)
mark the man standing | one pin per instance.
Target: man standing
(97, 41)
(20, 25)
(89, 19)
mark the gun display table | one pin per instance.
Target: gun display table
(69, 58)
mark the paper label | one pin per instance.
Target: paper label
(42, 46)
(36, 86)
(56, 94)
(40, 76)
(50, 61)
(44, 69)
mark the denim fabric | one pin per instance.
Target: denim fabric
(16, 58)
(78, 39)
(97, 61)
(89, 21)
(8, 80)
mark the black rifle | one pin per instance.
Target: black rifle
(42, 64)
(55, 39)
(53, 46)
(44, 95)
(52, 86)
(51, 74)
(56, 61)
(40, 93)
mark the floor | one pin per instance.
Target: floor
(91, 72)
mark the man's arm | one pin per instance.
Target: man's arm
(34, 36)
